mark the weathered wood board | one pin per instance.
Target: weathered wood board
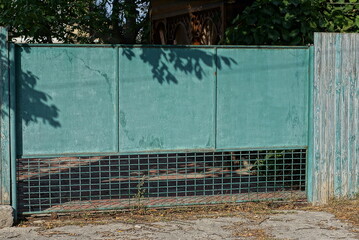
(336, 116)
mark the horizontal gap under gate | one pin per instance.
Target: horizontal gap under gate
(159, 180)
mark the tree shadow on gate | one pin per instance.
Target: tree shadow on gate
(39, 107)
(51, 184)
(165, 62)
(59, 181)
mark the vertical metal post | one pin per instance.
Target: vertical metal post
(215, 119)
(7, 122)
(117, 74)
(310, 152)
(5, 184)
(12, 87)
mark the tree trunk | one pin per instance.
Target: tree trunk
(130, 26)
(115, 18)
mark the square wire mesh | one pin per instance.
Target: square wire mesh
(158, 180)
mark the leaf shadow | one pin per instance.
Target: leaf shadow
(167, 62)
(38, 103)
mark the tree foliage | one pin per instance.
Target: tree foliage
(271, 22)
(291, 22)
(80, 21)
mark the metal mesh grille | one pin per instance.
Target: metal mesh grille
(112, 182)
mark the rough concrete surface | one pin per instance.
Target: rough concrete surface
(285, 225)
(6, 216)
(308, 225)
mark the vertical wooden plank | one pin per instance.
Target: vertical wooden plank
(4, 119)
(347, 67)
(352, 119)
(326, 112)
(355, 168)
(325, 165)
(321, 166)
(326, 115)
(330, 133)
(316, 118)
(339, 92)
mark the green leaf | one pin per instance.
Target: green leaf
(273, 35)
(313, 25)
(294, 33)
(251, 20)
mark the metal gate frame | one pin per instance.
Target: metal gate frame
(10, 140)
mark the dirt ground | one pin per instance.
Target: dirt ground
(266, 220)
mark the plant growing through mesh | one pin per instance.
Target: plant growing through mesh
(279, 166)
(140, 194)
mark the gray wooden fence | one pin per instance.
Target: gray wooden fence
(336, 116)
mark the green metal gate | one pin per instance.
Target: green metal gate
(107, 127)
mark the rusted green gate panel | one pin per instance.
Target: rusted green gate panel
(263, 98)
(167, 98)
(67, 100)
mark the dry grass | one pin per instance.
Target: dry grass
(347, 210)
(343, 209)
